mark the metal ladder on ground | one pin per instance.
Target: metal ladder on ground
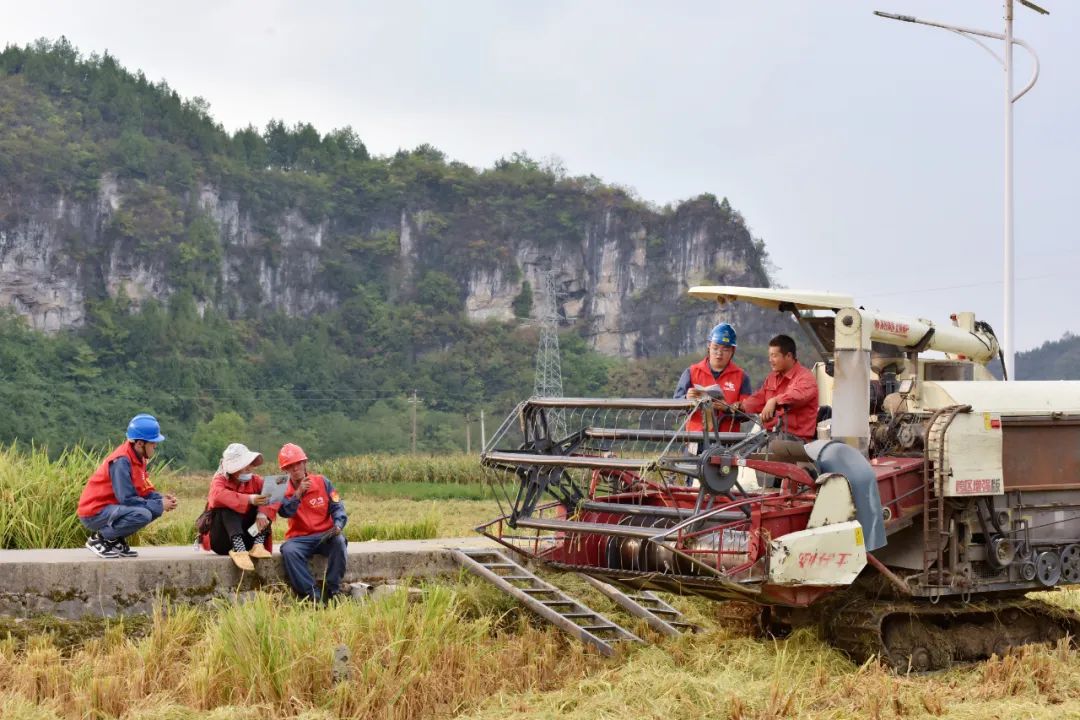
(546, 600)
(646, 605)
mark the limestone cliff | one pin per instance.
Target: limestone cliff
(621, 271)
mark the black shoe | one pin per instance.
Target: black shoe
(101, 547)
(123, 549)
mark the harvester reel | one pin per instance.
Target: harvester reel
(1048, 568)
(1070, 563)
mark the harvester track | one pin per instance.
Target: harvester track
(918, 636)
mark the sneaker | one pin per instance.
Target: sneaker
(242, 560)
(259, 552)
(101, 547)
(123, 549)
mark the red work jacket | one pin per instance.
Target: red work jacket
(313, 514)
(796, 394)
(99, 491)
(730, 379)
(226, 492)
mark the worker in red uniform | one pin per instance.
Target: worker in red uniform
(119, 499)
(718, 368)
(316, 521)
(236, 503)
(789, 392)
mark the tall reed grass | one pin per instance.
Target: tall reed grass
(459, 468)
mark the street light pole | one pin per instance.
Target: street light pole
(1010, 275)
(1008, 342)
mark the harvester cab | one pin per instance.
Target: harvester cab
(932, 500)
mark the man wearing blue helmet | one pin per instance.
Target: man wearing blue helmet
(717, 369)
(118, 499)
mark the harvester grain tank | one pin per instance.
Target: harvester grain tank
(933, 500)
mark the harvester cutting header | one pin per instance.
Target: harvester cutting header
(932, 500)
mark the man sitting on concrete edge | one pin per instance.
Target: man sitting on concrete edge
(316, 520)
(119, 499)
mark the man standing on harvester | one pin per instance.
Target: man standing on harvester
(118, 499)
(316, 521)
(717, 369)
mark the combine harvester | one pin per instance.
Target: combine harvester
(935, 498)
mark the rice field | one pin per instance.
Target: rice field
(459, 469)
(38, 496)
(462, 651)
(387, 497)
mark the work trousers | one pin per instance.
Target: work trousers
(118, 521)
(297, 552)
(225, 522)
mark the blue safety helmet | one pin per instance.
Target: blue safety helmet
(723, 334)
(144, 427)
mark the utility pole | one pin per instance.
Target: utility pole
(483, 435)
(1006, 61)
(413, 401)
(548, 382)
(468, 435)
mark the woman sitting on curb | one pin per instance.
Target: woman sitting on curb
(236, 503)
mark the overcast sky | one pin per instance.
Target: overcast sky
(867, 153)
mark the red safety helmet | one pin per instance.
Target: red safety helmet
(290, 455)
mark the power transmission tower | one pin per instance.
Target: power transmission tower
(548, 382)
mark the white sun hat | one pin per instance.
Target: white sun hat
(237, 457)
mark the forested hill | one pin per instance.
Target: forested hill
(284, 283)
(114, 184)
(1053, 360)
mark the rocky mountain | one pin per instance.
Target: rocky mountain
(114, 186)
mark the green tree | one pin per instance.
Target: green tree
(523, 301)
(211, 437)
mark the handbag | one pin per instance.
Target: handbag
(202, 523)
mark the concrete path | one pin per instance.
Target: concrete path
(75, 582)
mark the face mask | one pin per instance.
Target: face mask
(245, 476)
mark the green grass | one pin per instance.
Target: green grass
(422, 529)
(458, 469)
(421, 491)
